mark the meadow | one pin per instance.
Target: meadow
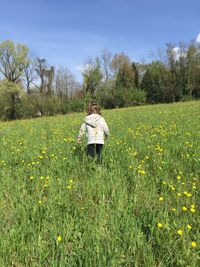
(139, 208)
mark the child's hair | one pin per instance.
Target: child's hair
(93, 108)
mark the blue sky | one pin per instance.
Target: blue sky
(67, 32)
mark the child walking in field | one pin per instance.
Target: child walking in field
(96, 130)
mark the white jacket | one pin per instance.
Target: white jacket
(95, 128)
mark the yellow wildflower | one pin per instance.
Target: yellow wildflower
(193, 244)
(192, 210)
(59, 238)
(180, 232)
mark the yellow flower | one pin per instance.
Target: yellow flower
(189, 227)
(40, 202)
(59, 238)
(173, 209)
(159, 225)
(161, 198)
(193, 244)
(189, 194)
(179, 194)
(180, 232)
(69, 186)
(184, 208)
(164, 182)
(141, 172)
(71, 181)
(192, 210)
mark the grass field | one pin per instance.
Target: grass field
(140, 208)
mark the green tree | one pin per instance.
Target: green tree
(193, 70)
(13, 60)
(155, 82)
(136, 75)
(10, 100)
(92, 77)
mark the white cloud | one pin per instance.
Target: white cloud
(177, 53)
(198, 38)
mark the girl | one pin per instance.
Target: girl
(96, 130)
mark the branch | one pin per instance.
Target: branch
(3, 73)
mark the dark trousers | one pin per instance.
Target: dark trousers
(95, 149)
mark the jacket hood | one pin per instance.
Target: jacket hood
(92, 120)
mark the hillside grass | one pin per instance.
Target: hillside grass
(139, 208)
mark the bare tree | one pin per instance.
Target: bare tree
(106, 62)
(46, 76)
(41, 64)
(119, 60)
(30, 75)
(65, 83)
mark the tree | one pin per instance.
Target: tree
(30, 74)
(46, 76)
(136, 75)
(92, 76)
(13, 60)
(9, 99)
(118, 61)
(155, 83)
(65, 83)
(193, 70)
(181, 71)
(41, 65)
(106, 62)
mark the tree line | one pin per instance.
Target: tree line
(30, 86)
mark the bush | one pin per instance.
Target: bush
(187, 98)
(76, 104)
(136, 97)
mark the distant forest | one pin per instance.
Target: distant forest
(31, 87)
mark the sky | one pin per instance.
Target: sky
(67, 32)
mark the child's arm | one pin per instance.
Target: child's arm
(105, 128)
(81, 132)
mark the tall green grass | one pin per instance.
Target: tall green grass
(139, 208)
